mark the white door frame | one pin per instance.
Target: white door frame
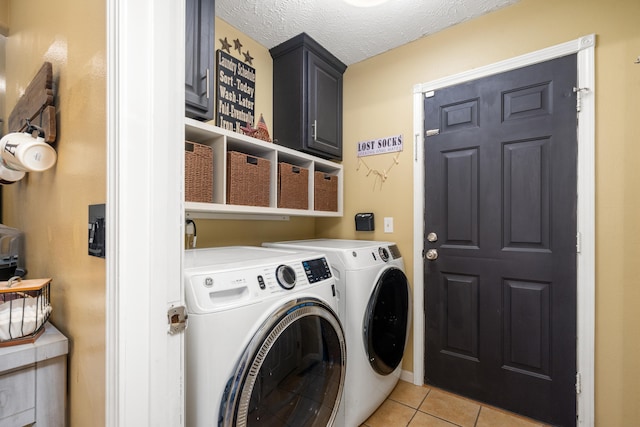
(584, 47)
(145, 219)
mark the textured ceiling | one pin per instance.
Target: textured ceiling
(351, 33)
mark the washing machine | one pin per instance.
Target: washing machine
(374, 306)
(264, 344)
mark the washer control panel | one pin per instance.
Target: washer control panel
(317, 269)
(238, 286)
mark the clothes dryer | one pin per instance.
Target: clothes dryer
(374, 306)
(264, 345)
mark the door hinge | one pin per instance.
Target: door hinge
(578, 242)
(429, 94)
(177, 319)
(433, 132)
(578, 383)
(578, 91)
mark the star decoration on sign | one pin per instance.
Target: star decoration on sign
(237, 45)
(225, 45)
(247, 57)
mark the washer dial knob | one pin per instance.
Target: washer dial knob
(286, 276)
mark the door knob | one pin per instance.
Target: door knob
(432, 254)
(432, 237)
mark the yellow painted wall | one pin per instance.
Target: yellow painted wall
(378, 102)
(4, 16)
(52, 207)
(213, 233)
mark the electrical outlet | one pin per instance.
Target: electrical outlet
(388, 224)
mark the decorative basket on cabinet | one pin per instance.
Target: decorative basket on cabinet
(293, 186)
(247, 179)
(325, 194)
(25, 306)
(198, 172)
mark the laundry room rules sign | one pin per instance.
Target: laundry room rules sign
(389, 144)
(236, 94)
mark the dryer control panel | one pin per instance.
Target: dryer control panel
(317, 269)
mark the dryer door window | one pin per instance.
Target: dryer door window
(386, 321)
(292, 372)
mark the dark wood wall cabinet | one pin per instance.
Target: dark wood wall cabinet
(199, 59)
(307, 97)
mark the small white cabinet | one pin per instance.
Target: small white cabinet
(223, 141)
(33, 381)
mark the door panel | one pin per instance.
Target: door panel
(462, 197)
(526, 327)
(500, 186)
(461, 316)
(526, 194)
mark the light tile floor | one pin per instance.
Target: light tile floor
(415, 406)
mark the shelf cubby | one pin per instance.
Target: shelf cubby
(223, 141)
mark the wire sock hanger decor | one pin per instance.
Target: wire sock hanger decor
(381, 176)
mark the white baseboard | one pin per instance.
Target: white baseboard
(407, 376)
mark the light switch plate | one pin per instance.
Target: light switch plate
(388, 224)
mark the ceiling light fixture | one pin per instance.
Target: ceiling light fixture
(365, 3)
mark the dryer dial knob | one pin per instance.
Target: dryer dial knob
(286, 276)
(384, 254)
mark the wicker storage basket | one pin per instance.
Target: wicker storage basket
(25, 306)
(248, 179)
(198, 172)
(325, 192)
(293, 186)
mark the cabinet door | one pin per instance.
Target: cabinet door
(199, 59)
(324, 136)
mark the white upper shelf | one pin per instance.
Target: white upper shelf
(222, 141)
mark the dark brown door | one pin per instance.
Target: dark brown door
(500, 185)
